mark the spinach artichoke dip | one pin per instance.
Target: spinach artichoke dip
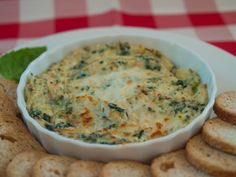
(115, 93)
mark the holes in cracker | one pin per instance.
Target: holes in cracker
(167, 165)
(8, 138)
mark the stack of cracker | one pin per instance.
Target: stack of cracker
(14, 136)
(210, 153)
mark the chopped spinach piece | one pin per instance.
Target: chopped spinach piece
(35, 113)
(122, 62)
(117, 108)
(139, 134)
(46, 117)
(150, 63)
(63, 125)
(68, 109)
(104, 117)
(187, 117)
(97, 137)
(39, 115)
(108, 143)
(150, 109)
(59, 100)
(177, 106)
(202, 107)
(81, 64)
(154, 79)
(182, 83)
(151, 87)
(92, 138)
(124, 48)
(114, 125)
(85, 88)
(81, 74)
(92, 92)
(144, 92)
(127, 115)
(195, 89)
(108, 85)
(197, 107)
(49, 127)
(64, 103)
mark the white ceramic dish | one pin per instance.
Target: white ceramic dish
(138, 151)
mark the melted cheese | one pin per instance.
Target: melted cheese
(114, 94)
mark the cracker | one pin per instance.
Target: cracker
(220, 134)
(225, 106)
(125, 169)
(52, 166)
(14, 138)
(175, 164)
(210, 160)
(82, 168)
(22, 164)
(9, 86)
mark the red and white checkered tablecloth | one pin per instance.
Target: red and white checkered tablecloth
(213, 21)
